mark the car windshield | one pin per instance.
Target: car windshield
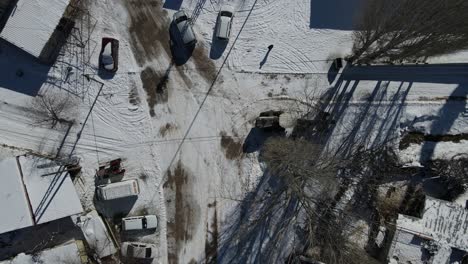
(180, 19)
(148, 253)
(226, 13)
(145, 223)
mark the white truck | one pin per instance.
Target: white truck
(117, 190)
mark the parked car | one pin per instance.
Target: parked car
(109, 56)
(184, 28)
(139, 250)
(139, 222)
(117, 190)
(268, 120)
(224, 23)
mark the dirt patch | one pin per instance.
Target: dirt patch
(149, 29)
(155, 85)
(183, 213)
(143, 176)
(133, 96)
(167, 128)
(419, 138)
(232, 147)
(211, 238)
(204, 65)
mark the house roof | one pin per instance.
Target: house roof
(33, 194)
(50, 190)
(96, 234)
(32, 22)
(13, 202)
(442, 221)
(66, 253)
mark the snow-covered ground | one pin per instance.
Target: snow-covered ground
(191, 134)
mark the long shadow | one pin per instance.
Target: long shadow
(372, 123)
(21, 72)
(264, 60)
(426, 73)
(334, 14)
(445, 119)
(259, 225)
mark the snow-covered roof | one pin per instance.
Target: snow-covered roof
(13, 200)
(50, 190)
(444, 222)
(96, 234)
(34, 195)
(67, 253)
(32, 22)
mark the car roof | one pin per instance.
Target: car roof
(227, 8)
(186, 31)
(223, 27)
(180, 13)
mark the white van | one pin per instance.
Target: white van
(117, 190)
(224, 23)
(139, 222)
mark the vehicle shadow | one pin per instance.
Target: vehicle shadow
(257, 137)
(180, 53)
(217, 47)
(105, 75)
(173, 4)
(136, 261)
(116, 207)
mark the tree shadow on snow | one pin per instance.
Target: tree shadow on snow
(445, 119)
(375, 120)
(259, 225)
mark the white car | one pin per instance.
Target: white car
(184, 28)
(224, 23)
(139, 222)
(139, 250)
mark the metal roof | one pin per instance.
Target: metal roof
(32, 22)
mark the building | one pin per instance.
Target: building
(36, 26)
(440, 236)
(35, 192)
(97, 235)
(66, 253)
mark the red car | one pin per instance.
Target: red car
(109, 57)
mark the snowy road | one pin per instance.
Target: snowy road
(181, 131)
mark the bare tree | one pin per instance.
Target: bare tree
(410, 30)
(300, 163)
(54, 108)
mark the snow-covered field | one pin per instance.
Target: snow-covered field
(184, 145)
